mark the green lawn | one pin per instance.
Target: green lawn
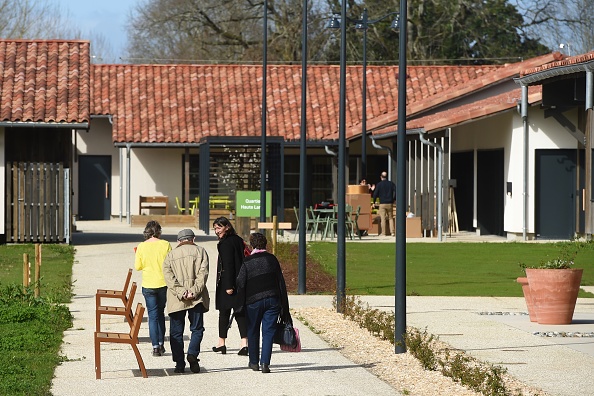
(31, 329)
(445, 269)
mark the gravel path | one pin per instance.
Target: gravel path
(402, 371)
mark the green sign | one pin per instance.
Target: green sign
(247, 203)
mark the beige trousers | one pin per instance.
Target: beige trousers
(385, 212)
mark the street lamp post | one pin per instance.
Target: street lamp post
(363, 24)
(335, 23)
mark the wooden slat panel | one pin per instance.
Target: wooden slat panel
(8, 202)
(35, 202)
(21, 204)
(43, 178)
(60, 203)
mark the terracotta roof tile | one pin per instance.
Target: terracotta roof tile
(44, 81)
(417, 106)
(184, 103)
(561, 60)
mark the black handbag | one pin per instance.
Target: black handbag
(285, 333)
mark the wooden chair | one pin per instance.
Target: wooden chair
(130, 338)
(121, 294)
(125, 311)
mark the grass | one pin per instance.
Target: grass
(31, 328)
(445, 269)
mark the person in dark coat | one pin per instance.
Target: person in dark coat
(385, 191)
(262, 285)
(230, 260)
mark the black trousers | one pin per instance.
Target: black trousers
(225, 315)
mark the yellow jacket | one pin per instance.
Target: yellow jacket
(149, 259)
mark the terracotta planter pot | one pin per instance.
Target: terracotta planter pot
(554, 293)
(528, 297)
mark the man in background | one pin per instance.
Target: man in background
(385, 191)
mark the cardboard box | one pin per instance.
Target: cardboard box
(362, 200)
(357, 189)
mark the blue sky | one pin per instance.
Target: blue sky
(107, 17)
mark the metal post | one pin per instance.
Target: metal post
(263, 154)
(364, 99)
(301, 285)
(400, 292)
(340, 254)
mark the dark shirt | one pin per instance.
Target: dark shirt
(261, 277)
(385, 190)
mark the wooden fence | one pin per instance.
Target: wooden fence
(37, 202)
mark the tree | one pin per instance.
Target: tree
(445, 31)
(218, 31)
(31, 19)
(568, 22)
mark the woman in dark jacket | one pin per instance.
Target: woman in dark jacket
(230, 260)
(262, 284)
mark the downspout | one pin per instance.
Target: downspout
(334, 154)
(128, 214)
(380, 147)
(587, 204)
(329, 151)
(439, 181)
(524, 115)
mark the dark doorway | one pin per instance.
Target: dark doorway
(94, 187)
(490, 192)
(462, 172)
(555, 191)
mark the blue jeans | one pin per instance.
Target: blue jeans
(176, 333)
(265, 313)
(155, 305)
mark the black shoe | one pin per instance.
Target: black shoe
(243, 351)
(254, 366)
(162, 349)
(222, 349)
(179, 370)
(194, 366)
(265, 368)
(156, 352)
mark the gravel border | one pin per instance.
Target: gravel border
(402, 371)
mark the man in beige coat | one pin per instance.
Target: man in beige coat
(186, 271)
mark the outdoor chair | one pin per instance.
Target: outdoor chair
(181, 209)
(125, 311)
(121, 294)
(130, 338)
(310, 223)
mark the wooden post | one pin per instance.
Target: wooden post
(274, 226)
(37, 267)
(25, 270)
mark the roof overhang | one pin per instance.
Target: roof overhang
(64, 125)
(559, 71)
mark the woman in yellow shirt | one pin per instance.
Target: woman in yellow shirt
(150, 255)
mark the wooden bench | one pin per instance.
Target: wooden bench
(121, 294)
(125, 311)
(130, 338)
(153, 202)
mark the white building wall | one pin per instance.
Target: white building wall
(506, 131)
(97, 141)
(153, 171)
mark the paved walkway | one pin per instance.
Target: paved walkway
(561, 366)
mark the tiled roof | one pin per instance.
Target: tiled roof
(470, 111)
(415, 108)
(183, 103)
(567, 61)
(44, 81)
